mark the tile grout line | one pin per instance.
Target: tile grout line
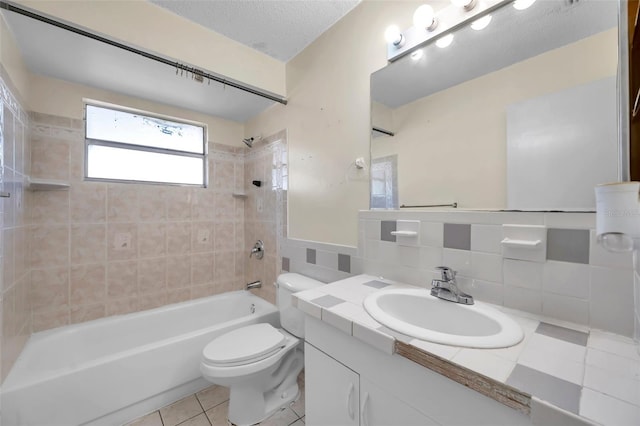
(203, 410)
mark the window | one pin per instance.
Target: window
(130, 146)
(384, 182)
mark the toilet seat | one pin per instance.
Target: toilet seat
(244, 345)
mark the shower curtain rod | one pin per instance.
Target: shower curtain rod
(12, 8)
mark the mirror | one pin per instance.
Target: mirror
(521, 115)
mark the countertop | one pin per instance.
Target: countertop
(591, 374)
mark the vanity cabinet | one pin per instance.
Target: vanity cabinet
(337, 395)
(332, 391)
(348, 382)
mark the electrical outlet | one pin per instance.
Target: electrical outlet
(122, 241)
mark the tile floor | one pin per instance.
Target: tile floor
(209, 408)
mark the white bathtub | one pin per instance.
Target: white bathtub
(112, 370)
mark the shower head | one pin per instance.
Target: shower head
(249, 141)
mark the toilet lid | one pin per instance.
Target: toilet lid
(244, 344)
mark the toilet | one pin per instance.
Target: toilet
(260, 363)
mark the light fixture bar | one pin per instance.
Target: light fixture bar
(449, 19)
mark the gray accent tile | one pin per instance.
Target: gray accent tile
(311, 256)
(285, 264)
(386, 226)
(558, 392)
(568, 245)
(457, 236)
(327, 301)
(562, 333)
(376, 284)
(344, 263)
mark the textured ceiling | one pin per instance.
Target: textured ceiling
(278, 28)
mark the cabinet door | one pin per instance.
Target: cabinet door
(331, 391)
(379, 408)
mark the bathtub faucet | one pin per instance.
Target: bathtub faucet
(255, 284)
(258, 250)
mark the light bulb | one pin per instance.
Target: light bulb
(417, 55)
(445, 41)
(425, 17)
(393, 35)
(481, 24)
(523, 4)
(466, 4)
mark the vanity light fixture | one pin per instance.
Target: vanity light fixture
(523, 4)
(482, 23)
(393, 36)
(445, 41)
(425, 17)
(429, 26)
(466, 4)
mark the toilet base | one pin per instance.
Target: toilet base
(248, 404)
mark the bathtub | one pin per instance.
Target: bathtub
(112, 370)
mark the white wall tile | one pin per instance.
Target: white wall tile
(327, 259)
(486, 291)
(371, 229)
(520, 273)
(565, 308)
(408, 256)
(431, 234)
(570, 220)
(611, 303)
(599, 256)
(569, 279)
(486, 266)
(458, 260)
(430, 257)
(486, 238)
(523, 299)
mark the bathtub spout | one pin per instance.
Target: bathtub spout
(254, 284)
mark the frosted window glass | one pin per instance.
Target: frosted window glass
(125, 164)
(119, 126)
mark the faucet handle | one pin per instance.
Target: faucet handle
(448, 274)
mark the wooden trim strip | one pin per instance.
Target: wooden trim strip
(501, 392)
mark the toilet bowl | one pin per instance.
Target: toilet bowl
(260, 363)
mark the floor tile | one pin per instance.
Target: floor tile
(563, 333)
(218, 414)
(298, 423)
(561, 393)
(298, 406)
(152, 419)
(281, 418)
(180, 411)
(199, 420)
(607, 410)
(212, 396)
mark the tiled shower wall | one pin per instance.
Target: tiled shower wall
(265, 209)
(14, 224)
(577, 280)
(102, 249)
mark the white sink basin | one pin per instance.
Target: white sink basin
(416, 313)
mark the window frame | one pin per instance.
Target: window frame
(133, 147)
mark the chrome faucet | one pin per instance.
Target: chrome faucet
(258, 250)
(254, 284)
(447, 289)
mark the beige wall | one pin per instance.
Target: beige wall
(328, 121)
(459, 153)
(143, 24)
(58, 97)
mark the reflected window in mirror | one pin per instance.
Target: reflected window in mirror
(125, 145)
(384, 182)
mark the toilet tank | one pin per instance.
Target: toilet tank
(291, 318)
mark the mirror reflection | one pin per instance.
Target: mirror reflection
(520, 115)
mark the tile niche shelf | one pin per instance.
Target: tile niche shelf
(35, 184)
